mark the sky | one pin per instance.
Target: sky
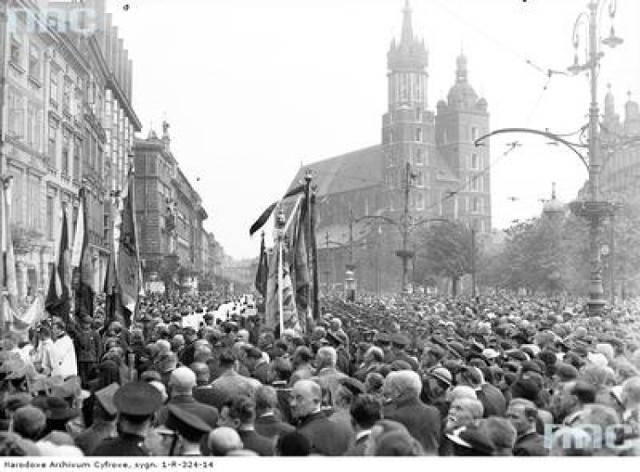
(252, 89)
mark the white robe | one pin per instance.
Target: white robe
(63, 357)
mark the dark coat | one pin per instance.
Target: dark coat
(422, 421)
(271, 427)
(259, 444)
(531, 444)
(205, 394)
(326, 438)
(123, 445)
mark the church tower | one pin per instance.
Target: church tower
(460, 121)
(407, 126)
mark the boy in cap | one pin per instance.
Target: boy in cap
(136, 402)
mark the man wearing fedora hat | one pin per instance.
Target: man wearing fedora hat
(136, 403)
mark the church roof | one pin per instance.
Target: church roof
(355, 170)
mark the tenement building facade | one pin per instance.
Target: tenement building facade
(66, 122)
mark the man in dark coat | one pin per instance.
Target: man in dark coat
(88, 346)
(422, 421)
(240, 414)
(181, 385)
(365, 411)
(136, 403)
(268, 419)
(523, 416)
(326, 438)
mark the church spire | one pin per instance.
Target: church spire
(462, 70)
(407, 26)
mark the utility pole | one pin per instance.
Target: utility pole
(405, 255)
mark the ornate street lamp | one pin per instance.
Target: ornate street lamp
(594, 208)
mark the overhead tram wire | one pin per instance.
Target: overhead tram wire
(504, 46)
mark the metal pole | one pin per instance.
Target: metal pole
(596, 291)
(612, 261)
(405, 227)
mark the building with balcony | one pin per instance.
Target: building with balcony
(67, 122)
(173, 244)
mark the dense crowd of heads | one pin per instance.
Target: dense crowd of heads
(416, 375)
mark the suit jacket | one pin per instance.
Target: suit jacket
(422, 421)
(326, 438)
(207, 413)
(259, 444)
(205, 394)
(329, 379)
(231, 384)
(271, 427)
(123, 445)
(530, 444)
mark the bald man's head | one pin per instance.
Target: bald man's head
(223, 440)
(306, 398)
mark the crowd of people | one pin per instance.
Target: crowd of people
(200, 375)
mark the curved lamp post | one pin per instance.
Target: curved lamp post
(594, 208)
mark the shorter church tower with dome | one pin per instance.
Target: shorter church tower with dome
(433, 151)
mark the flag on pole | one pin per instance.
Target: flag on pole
(110, 290)
(264, 217)
(81, 262)
(58, 296)
(262, 273)
(128, 262)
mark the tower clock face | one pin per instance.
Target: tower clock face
(604, 250)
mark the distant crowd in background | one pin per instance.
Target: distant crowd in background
(414, 375)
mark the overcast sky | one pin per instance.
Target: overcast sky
(254, 88)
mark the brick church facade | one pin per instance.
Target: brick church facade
(448, 176)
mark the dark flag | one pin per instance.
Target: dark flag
(58, 302)
(81, 263)
(110, 290)
(128, 263)
(263, 271)
(264, 217)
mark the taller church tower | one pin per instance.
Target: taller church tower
(407, 126)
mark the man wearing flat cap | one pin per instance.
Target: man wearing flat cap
(399, 342)
(136, 402)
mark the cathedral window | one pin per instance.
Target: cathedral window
(419, 157)
(419, 114)
(419, 135)
(474, 133)
(419, 201)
